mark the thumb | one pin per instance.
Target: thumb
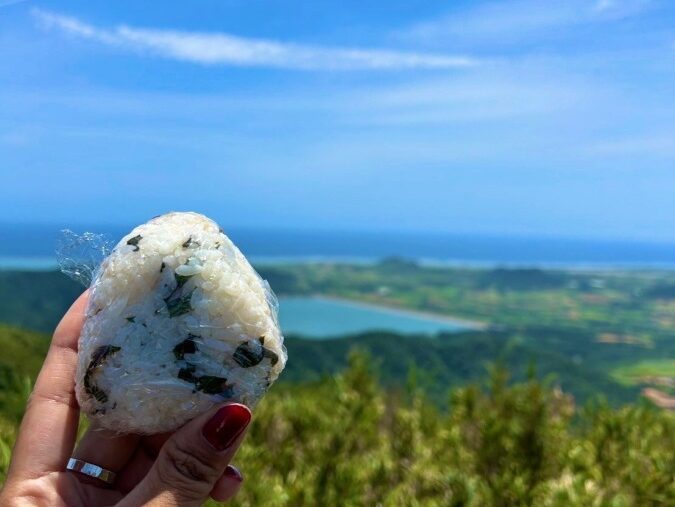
(192, 460)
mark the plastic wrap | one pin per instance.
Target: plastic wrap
(79, 256)
(177, 321)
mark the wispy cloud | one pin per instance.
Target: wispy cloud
(619, 8)
(477, 98)
(226, 49)
(657, 144)
(504, 21)
(6, 3)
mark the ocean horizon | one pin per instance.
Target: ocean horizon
(34, 246)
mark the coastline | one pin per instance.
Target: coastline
(448, 319)
(47, 263)
(17, 263)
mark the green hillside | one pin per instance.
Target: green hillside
(451, 361)
(20, 361)
(346, 441)
(437, 364)
(35, 299)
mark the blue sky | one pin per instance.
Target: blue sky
(520, 117)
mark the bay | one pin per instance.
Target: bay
(320, 317)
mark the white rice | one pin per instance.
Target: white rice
(177, 321)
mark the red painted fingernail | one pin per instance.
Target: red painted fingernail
(233, 472)
(226, 425)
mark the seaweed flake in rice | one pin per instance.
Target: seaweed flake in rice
(177, 322)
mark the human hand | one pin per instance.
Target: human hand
(179, 469)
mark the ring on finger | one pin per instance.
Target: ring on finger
(91, 470)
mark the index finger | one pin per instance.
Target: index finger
(49, 427)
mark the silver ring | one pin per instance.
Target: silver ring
(95, 471)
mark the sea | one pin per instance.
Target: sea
(32, 247)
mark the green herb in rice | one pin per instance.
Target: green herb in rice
(210, 384)
(187, 346)
(97, 359)
(187, 373)
(134, 242)
(180, 305)
(249, 353)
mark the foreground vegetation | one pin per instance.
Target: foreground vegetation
(345, 441)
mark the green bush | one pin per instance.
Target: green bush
(345, 441)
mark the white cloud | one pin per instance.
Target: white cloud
(519, 19)
(226, 49)
(485, 94)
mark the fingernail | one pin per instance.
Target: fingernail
(226, 425)
(233, 472)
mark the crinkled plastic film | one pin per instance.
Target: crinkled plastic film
(177, 322)
(80, 255)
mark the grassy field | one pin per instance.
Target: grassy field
(657, 373)
(638, 373)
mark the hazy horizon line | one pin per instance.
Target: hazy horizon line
(96, 227)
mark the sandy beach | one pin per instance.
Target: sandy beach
(473, 324)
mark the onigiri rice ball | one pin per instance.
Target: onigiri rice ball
(177, 321)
